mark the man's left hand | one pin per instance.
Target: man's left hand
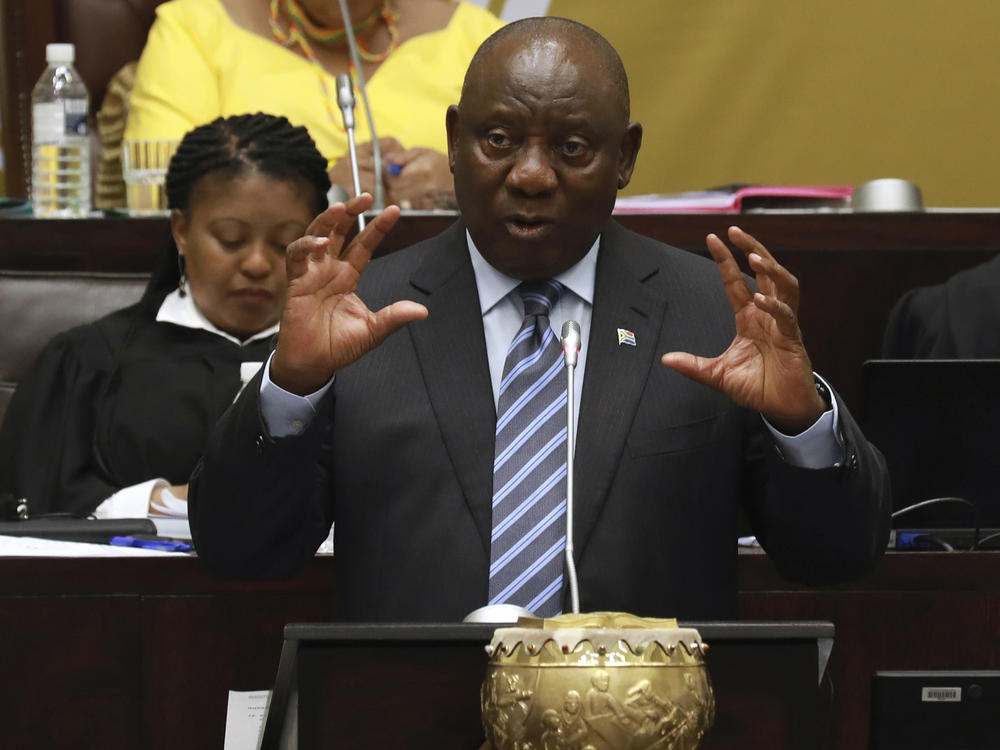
(766, 367)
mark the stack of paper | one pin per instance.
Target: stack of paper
(737, 200)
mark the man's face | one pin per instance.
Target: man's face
(539, 148)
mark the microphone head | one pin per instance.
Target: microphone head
(505, 614)
(345, 99)
(570, 340)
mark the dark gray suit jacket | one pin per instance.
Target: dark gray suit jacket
(401, 457)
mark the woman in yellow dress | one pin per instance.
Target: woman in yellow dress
(209, 58)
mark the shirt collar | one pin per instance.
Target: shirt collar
(493, 285)
(182, 311)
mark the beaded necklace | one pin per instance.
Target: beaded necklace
(318, 33)
(301, 30)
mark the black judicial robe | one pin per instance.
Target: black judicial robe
(957, 319)
(117, 402)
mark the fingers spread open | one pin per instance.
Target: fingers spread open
(340, 217)
(748, 243)
(737, 290)
(298, 254)
(323, 224)
(773, 279)
(360, 250)
(783, 315)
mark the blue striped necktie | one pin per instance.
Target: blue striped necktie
(529, 470)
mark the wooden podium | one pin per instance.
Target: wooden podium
(415, 685)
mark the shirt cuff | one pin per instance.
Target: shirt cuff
(287, 413)
(169, 506)
(130, 502)
(819, 447)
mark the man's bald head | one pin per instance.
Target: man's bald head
(580, 39)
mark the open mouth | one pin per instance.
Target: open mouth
(525, 227)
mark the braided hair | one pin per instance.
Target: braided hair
(262, 143)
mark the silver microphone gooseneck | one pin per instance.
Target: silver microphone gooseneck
(570, 340)
(352, 46)
(345, 100)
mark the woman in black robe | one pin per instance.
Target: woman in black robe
(113, 415)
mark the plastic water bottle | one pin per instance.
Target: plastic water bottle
(60, 157)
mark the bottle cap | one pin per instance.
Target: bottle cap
(60, 53)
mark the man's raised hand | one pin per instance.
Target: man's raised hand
(325, 325)
(766, 367)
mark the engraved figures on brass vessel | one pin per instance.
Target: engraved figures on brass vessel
(505, 706)
(600, 715)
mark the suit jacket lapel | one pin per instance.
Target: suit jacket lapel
(451, 349)
(616, 372)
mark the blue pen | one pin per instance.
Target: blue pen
(163, 545)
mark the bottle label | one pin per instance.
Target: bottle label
(47, 121)
(76, 116)
(52, 121)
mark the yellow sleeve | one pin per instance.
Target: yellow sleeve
(176, 85)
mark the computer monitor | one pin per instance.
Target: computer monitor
(934, 710)
(938, 424)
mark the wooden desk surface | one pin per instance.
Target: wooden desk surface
(118, 653)
(851, 267)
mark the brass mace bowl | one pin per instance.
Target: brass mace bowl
(597, 681)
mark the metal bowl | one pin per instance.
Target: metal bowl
(596, 682)
(887, 194)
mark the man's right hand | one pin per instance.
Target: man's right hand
(325, 325)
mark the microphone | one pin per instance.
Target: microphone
(352, 46)
(570, 340)
(345, 100)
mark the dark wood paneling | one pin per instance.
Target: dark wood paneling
(126, 653)
(68, 672)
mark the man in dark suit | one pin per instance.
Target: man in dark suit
(391, 433)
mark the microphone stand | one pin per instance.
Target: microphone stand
(571, 348)
(345, 99)
(352, 46)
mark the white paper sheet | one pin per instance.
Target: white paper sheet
(245, 716)
(174, 528)
(29, 546)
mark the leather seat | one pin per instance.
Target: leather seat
(35, 306)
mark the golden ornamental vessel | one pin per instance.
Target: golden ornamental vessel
(596, 681)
